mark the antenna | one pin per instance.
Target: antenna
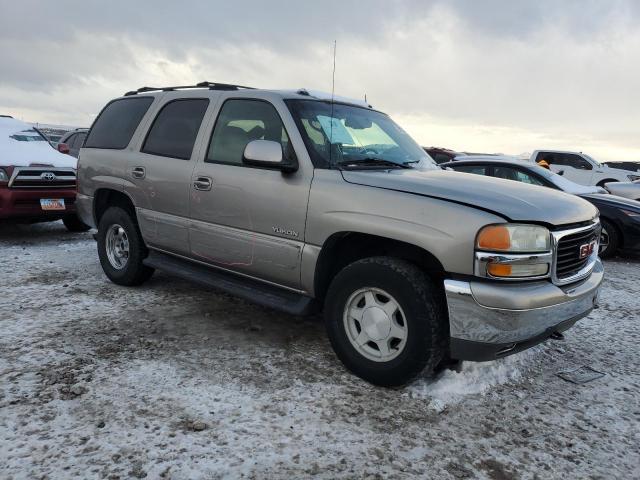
(333, 90)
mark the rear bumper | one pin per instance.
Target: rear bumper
(24, 204)
(489, 320)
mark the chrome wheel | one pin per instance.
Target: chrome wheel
(604, 241)
(117, 247)
(375, 324)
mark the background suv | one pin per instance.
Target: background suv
(74, 140)
(37, 183)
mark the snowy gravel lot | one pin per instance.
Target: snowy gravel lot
(171, 380)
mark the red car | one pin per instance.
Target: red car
(37, 183)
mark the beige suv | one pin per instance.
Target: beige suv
(301, 202)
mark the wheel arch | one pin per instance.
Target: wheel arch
(606, 180)
(109, 197)
(343, 248)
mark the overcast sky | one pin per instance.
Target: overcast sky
(494, 76)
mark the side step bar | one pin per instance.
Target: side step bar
(247, 288)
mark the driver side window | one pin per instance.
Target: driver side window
(240, 122)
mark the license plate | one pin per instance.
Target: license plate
(52, 204)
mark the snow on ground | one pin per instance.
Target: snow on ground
(171, 380)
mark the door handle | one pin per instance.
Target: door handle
(202, 183)
(138, 172)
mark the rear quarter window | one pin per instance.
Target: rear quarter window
(117, 122)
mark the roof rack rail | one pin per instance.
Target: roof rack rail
(209, 85)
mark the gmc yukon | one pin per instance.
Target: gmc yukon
(302, 201)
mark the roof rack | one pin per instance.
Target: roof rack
(209, 85)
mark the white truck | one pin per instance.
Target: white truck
(583, 169)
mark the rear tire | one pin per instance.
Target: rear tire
(357, 328)
(609, 239)
(74, 224)
(121, 248)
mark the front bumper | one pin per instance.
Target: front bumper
(492, 320)
(24, 204)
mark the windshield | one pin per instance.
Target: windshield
(31, 135)
(339, 134)
(592, 159)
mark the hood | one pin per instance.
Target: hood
(22, 146)
(614, 201)
(514, 201)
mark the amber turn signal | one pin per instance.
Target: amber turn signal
(499, 270)
(495, 237)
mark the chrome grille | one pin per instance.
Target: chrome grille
(43, 177)
(569, 266)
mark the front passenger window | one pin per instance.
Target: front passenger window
(240, 122)
(579, 162)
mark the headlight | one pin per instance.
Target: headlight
(3, 176)
(513, 251)
(514, 238)
(633, 178)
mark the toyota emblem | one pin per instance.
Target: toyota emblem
(48, 176)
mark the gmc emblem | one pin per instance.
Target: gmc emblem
(587, 249)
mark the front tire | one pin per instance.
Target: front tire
(386, 320)
(121, 249)
(609, 239)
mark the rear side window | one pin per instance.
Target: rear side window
(477, 169)
(174, 131)
(118, 121)
(69, 141)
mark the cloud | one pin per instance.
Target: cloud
(493, 75)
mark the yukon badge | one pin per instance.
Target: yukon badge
(284, 231)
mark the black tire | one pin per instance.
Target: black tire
(424, 311)
(74, 224)
(611, 231)
(134, 272)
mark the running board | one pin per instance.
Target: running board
(253, 290)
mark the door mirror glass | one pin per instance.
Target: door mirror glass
(266, 154)
(63, 148)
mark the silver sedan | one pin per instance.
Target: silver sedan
(624, 189)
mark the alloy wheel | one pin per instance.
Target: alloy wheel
(117, 246)
(375, 324)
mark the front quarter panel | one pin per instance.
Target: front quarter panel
(445, 229)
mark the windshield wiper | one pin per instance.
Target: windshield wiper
(373, 163)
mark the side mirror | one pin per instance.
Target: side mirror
(63, 148)
(560, 172)
(267, 154)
